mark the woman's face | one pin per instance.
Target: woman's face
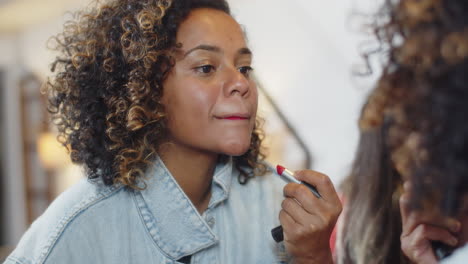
(210, 99)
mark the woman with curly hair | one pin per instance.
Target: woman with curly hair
(409, 177)
(155, 99)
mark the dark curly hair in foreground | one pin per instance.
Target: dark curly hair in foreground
(106, 90)
(423, 94)
(414, 126)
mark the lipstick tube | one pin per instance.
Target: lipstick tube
(288, 176)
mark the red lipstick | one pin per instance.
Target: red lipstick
(280, 169)
(236, 118)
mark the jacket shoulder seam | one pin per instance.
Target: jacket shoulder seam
(69, 217)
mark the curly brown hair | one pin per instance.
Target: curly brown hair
(423, 93)
(413, 126)
(105, 94)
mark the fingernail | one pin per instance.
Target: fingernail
(453, 241)
(406, 185)
(456, 226)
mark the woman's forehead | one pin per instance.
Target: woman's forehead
(210, 27)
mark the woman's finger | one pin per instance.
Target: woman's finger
(299, 214)
(418, 247)
(411, 218)
(304, 197)
(288, 223)
(432, 233)
(321, 182)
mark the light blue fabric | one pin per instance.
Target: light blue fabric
(460, 256)
(93, 223)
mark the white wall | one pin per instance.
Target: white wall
(304, 51)
(12, 191)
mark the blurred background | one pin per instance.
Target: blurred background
(305, 52)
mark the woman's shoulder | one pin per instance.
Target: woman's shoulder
(45, 231)
(83, 194)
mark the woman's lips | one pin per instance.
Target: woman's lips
(235, 118)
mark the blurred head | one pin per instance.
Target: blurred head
(422, 95)
(413, 127)
(135, 74)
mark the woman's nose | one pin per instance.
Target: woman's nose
(237, 83)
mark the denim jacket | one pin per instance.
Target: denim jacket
(93, 223)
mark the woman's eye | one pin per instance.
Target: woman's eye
(205, 69)
(245, 70)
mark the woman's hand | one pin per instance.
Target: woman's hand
(422, 227)
(308, 221)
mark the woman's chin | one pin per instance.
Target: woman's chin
(235, 148)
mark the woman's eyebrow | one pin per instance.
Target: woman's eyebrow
(244, 51)
(204, 47)
(216, 49)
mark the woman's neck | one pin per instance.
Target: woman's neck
(193, 170)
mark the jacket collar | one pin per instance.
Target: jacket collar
(172, 220)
